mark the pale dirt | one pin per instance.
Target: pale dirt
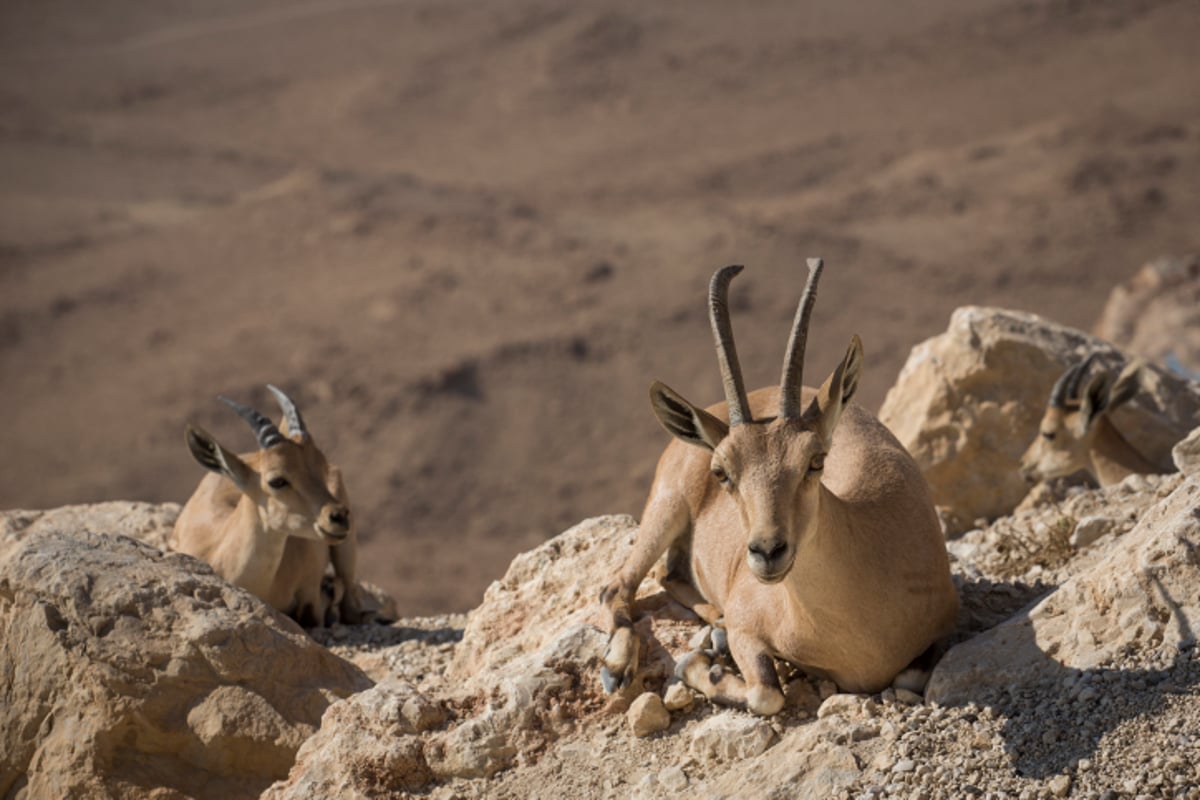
(467, 236)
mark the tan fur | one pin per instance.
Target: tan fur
(861, 577)
(1078, 435)
(275, 543)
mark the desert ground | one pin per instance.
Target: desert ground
(467, 236)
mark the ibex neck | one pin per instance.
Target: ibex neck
(250, 551)
(1114, 458)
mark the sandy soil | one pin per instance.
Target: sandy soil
(466, 236)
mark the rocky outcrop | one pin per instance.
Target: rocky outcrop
(130, 671)
(967, 404)
(525, 675)
(1143, 594)
(1156, 314)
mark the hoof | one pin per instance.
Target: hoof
(720, 641)
(610, 681)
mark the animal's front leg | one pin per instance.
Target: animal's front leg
(664, 519)
(757, 688)
(345, 567)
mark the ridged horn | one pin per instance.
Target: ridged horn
(264, 430)
(292, 414)
(731, 370)
(1066, 388)
(792, 382)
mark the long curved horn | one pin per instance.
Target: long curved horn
(264, 430)
(1066, 388)
(731, 371)
(792, 382)
(292, 414)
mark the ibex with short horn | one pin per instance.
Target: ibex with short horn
(1076, 433)
(271, 521)
(797, 521)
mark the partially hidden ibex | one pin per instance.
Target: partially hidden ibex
(271, 521)
(794, 519)
(1076, 433)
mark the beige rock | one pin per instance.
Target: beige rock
(647, 715)
(1139, 593)
(1156, 313)
(368, 745)
(678, 697)
(967, 404)
(805, 763)
(1186, 454)
(544, 591)
(530, 650)
(129, 670)
(147, 522)
(731, 736)
(846, 705)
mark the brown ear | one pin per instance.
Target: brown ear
(685, 421)
(826, 408)
(212, 456)
(1104, 393)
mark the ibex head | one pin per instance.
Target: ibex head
(288, 479)
(1065, 436)
(771, 467)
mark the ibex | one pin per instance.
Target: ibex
(795, 520)
(271, 521)
(1076, 433)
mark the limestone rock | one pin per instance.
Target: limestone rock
(368, 745)
(1139, 595)
(731, 736)
(544, 590)
(648, 715)
(147, 522)
(678, 697)
(1089, 529)
(129, 670)
(1186, 454)
(847, 705)
(967, 404)
(524, 674)
(1156, 314)
(805, 763)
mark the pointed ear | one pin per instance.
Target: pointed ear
(1126, 384)
(684, 420)
(1103, 393)
(212, 456)
(826, 408)
(1094, 399)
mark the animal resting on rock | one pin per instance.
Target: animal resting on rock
(794, 520)
(271, 521)
(1076, 433)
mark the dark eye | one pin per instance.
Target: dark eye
(818, 462)
(278, 482)
(1048, 435)
(721, 475)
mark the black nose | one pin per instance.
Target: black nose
(768, 553)
(340, 517)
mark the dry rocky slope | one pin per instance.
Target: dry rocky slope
(1073, 672)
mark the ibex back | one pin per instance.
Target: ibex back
(271, 521)
(797, 521)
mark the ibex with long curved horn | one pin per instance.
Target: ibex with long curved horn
(271, 521)
(1076, 433)
(797, 519)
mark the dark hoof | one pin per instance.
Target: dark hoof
(720, 641)
(610, 681)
